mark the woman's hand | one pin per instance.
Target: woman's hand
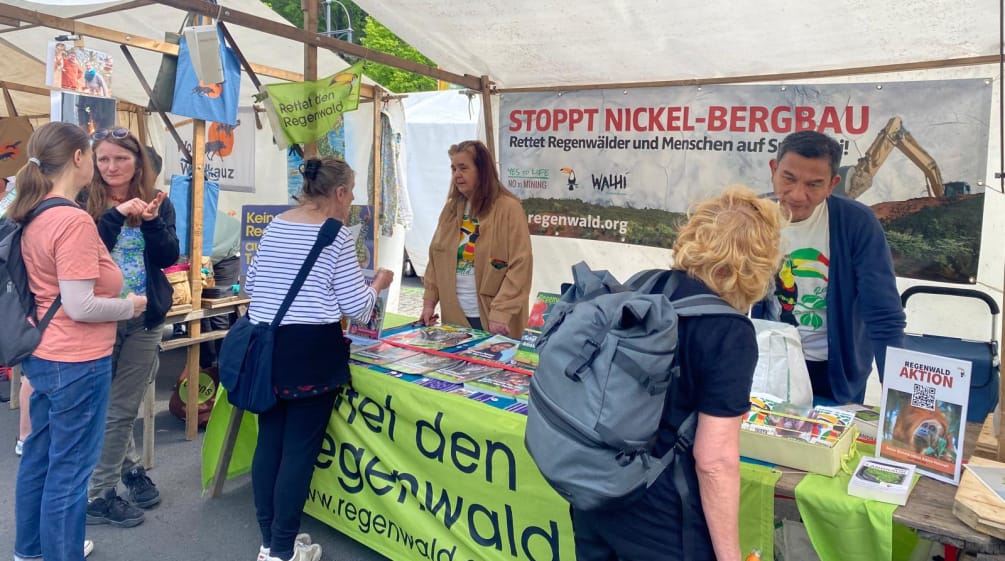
(382, 279)
(429, 316)
(150, 209)
(498, 328)
(139, 304)
(132, 207)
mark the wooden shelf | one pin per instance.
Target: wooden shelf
(214, 303)
(216, 307)
(179, 342)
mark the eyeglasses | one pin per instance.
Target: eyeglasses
(117, 133)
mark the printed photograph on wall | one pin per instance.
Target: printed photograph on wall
(69, 67)
(89, 112)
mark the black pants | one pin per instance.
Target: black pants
(289, 441)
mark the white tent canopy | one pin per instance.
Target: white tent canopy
(520, 43)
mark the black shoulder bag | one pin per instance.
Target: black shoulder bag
(246, 353)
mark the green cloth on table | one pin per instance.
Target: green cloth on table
(757, 509)
(846, 528)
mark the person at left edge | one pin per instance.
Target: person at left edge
(311, 356)
(71, 368)
(480, 260)
(136, 222)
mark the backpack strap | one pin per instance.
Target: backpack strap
(326, 235)
(42, 207)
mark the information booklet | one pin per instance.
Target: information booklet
(503, 383)
(364, 333)
(382, 353)
(497, 348)
(437, 337)
(923, 412)
(879, 479)
(461, 371)
(526, 354)
(993, 477)
(420, 363)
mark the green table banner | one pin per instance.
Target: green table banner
(757, 509)
(418, 474)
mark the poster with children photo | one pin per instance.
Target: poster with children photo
(86, 71)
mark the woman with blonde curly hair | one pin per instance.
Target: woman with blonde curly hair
(728, 247)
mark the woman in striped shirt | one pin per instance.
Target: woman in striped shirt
(311, 359)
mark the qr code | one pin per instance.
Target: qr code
(923, 397)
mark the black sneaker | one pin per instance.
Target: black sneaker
(113, 509)
(142, 491)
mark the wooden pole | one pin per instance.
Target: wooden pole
(490, 137)
(378, 163)
(195, 275)
(310, 8)
(9, 102)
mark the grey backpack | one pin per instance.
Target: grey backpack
(607, 361)
(22, 327)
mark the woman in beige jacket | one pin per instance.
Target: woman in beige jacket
(480, 262)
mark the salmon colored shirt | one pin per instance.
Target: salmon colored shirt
(63, 244)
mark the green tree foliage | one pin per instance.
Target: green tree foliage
(941, 243)
(380, 38)
(290, 10)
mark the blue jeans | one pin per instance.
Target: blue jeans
(67, 428)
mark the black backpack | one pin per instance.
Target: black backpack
(22, 328)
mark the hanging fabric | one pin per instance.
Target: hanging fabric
(14, 135)
(210, 102)
(181, 197)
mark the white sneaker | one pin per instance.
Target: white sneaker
(303, 539)
(88, 547)
(18, 447)
(301, 553)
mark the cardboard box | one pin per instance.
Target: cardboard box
(795, 453)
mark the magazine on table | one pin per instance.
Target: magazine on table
(866, 418)
(437, 337)
(526, 353)
(923, 412)
(421, 363)
(879, 479)
(368, 333)
(380, 353)
(503, 383)
(993, 477)
(461, 371)
(497, 348)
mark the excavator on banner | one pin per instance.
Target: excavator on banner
(857, 179)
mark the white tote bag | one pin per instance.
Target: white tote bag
(781, 367)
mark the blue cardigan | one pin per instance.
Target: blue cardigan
(864, 315)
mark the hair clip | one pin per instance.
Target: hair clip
(34, 160)
(309, 169)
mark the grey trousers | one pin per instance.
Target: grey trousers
(135, 360)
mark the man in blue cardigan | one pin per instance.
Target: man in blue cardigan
(837, 284)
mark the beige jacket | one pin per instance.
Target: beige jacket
(503, 266)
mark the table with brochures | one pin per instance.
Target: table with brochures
(417, 467)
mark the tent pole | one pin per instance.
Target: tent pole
(378, 141)
(160, 110)
(310, 9)
(490, 137)
(9, 102)
(195, 273)
(814, 74)
(85, 29)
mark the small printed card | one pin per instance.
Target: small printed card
(884, 480)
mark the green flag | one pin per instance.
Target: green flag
(305, 111)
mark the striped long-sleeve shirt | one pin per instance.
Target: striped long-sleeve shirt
(334, 287)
